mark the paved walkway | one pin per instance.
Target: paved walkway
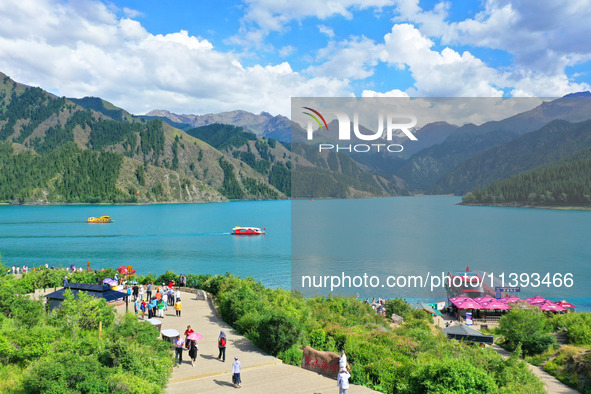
(553, 385)
(261, 373)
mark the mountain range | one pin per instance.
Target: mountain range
(55, 149)
(89, 150)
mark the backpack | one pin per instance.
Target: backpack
(223, 342)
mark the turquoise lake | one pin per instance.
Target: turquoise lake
(404, 235)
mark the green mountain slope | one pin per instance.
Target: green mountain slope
(556, 140)
(152, 161)
(566, 182)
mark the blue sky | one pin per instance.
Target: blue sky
(190, 56)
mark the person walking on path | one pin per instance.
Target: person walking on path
(161, 308)
(136, 306)
(66, 283)
(236, 366)
(193, 348)
(179, 343)
(343, 381)
(165, 300)
(177, 307)
(222, 346)
(188, 331)
(141, 292)
(149, 291)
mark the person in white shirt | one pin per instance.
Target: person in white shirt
(343, 360)
(343, 381)
(236, 372)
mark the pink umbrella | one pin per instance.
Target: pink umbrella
(565, 304)
(482, 299)
(496, 305)
(470, 304)
(535, 300)
(551, 306)
(194, 336)
(458, 298)
(510, 299)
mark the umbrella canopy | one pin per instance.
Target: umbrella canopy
(566, 304)
(496, 305)
(535, 300)
(512, 298)
(194, 336)
(460, 297)
(551, 306)
(123, 270)
(482, 299)
(470, 304)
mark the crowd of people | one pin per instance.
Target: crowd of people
(155, 301)
(378, 305)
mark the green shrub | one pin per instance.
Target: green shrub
(281, 332)
(528, 327)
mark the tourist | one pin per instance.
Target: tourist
(141, 292)
(135, 290)
(343, 381)
(18, 269)
(177, 293)
(343, 360)
(149, 291)
(170, 284)
(193, 348)
(128, 292)
(179, 343)
(160, 308)
(13, 270)
(177, 307)
(65, 282)
(158, 295)
(143, 307)
(222, 346)
(236, 372)
(188, 331)
(171, 296)
(165, 300)
(136, 306)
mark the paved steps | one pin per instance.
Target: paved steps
(261, 373)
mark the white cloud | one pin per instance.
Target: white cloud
(326, 30)
(445, 73)
(131, 13)
(287, 50)
(82, 48)
(350, 59)
(544, 36)
(264, 16)
(391, 93)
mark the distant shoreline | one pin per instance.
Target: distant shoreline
(517, 205)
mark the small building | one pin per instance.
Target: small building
(464, 333)
(55, 299)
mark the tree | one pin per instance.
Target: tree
(528, 327)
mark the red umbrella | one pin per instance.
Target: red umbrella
(565, 304)
(551, 306)
(123, 270)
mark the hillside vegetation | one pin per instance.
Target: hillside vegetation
(563, 183)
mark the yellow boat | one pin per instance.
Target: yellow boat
(102, 219)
